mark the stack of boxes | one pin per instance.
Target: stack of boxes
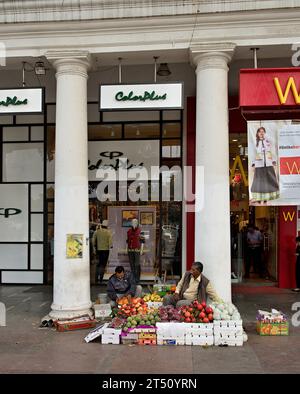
(272, 323)
(200, 334)
(140, 336)
(228, 333)
(111, 336)
(170, 333)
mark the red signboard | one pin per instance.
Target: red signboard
(270, 87)
(290, 165)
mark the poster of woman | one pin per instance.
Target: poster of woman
(263, 162)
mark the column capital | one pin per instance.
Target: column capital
(70, 62)
(212, 55)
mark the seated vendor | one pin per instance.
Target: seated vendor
(192, 286)
(122, 284)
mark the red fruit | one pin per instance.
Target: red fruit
(210, 317)
(208, 310)
(187, 314)
(205, 320)
(200, 307)
(193, 320)
(203, 303)
(190, 309)
(187, 320)
(202, 315)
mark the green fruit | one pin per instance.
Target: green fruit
(129, 318)
(125, 329)
(142, 322)
(148, 323)
(157, 318)
(137, 319)
(150, 317)
(128, 325)
(134, 323)
(153, 322)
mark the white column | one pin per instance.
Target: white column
(71, 288)
(212, 223)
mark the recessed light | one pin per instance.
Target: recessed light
(234, 140)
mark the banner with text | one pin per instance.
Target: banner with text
(274, 162)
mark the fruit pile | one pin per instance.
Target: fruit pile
(132, 307)
(153, 297)
(148, 319)
(197, 312)
(169, 313)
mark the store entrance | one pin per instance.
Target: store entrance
(249, 263)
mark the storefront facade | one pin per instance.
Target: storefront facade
(73, 133)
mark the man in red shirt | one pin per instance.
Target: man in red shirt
(135, 246)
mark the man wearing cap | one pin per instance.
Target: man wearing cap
(102, 243)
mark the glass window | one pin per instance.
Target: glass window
(105, 132)
(36, 261)
(13, 213)
(23, 162)
(6, 119)
(22, 277)
(171, 149)
(13, 256)
(130, 116)
(37, 196)
(142, 130)
(171, 130)
(50, 153)
(29, 119)
(37, 221)
(171, 115)
(15, 133)
(37, 133)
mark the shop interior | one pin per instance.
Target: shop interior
(242, 215)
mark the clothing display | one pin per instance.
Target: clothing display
(102, 242)
(265, 185)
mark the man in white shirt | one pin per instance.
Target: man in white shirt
(192, 286)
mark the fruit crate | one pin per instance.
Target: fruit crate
(147, 342)
(273, 329)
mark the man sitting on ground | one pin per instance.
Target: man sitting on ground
(122, 284)
(193, 285)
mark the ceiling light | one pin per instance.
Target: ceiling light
(39, 68)
(234, 140)
(163, 70)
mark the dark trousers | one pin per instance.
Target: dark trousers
(135, 266)
(101, 265)
(298, 273)
(253, 255)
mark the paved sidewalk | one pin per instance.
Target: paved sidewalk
(24, 348)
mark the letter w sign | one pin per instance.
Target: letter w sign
(289, 86)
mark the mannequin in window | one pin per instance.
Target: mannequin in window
(135, 246)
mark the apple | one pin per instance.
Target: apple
(205, 320)
(208, 310)
(187, 320)
(200, 307)
(203, 303)
(202, 315)
(187, 314)
(210, 317)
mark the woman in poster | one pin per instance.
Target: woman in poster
(265, 185)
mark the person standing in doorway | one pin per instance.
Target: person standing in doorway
(297, 289)
(102, 243)
(254, 243)
(135, 246)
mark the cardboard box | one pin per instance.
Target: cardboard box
(110, 339)
(112, 331)
(75, 324)
(228, 330)
(276, 329)
(203, 341)
(223, 341)
(228, 323)
(170, 341)
(102, 310)
(96, 333)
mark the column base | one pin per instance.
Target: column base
(58, 313)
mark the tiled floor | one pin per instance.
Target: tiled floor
(25, 348)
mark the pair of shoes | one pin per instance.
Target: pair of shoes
(297, 290)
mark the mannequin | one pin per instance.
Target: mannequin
(135, 247)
